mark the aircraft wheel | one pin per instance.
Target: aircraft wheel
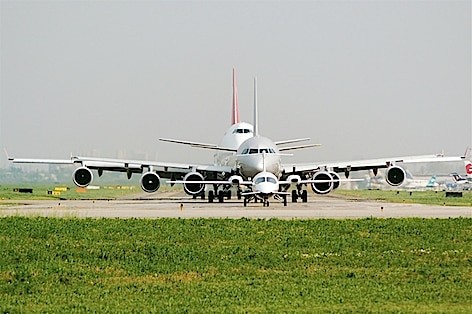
(221, 195)
(228, 194)
(285, 200)
(245, 202)
(239, 195)
(294, 196)
(304, 196)
(211, 196)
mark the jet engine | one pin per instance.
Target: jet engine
(336, 179)
(395, 175)
(150, 182)
(322, 187)
(82, 177)
(294, 178)
(193, 188)
(235, 180)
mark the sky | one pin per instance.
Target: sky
(365, 79)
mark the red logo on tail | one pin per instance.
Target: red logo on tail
(468, 168)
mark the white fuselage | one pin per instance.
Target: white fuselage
(265, 183)
(258, 154)
(237, 134)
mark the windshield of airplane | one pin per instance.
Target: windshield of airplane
(258, 151)
(265, 179)
(242, 131)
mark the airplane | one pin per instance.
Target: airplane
(464, 182)
(243, 156)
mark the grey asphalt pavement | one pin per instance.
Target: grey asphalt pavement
(322, 207)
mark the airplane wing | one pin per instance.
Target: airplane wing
(198, 144)
(166, 169)
(356, 165)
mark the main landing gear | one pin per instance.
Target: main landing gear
(220, 196)
(299, 194)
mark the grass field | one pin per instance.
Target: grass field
(45, 192)
(419, 197)
(256, 266)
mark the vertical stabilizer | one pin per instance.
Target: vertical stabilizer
(256, 118)
(235, 112)
(468, 168)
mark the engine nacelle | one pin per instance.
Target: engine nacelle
(150, 182)
(82, 177)
(235, 180)
(294, 178)
(336, 179)
(193, 188)
(395, 175)
(326, 184)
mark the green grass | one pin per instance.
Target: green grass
(421, 197)
(257, 266)
(40, 192)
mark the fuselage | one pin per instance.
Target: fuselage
(258, 154)
(237, 134)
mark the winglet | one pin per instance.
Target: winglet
(256, 118)
(6, 153)
(235, 111)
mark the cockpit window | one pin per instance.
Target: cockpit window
(265, 179)
(260, 180)
(258, 151)
(242, 131)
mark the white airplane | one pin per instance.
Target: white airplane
(464, 182)
(244, 160)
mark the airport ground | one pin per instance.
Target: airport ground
(175, 204)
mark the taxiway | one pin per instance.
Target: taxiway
(316, 208)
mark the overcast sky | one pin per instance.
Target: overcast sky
(363, 78)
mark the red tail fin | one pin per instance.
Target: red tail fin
(235, 115)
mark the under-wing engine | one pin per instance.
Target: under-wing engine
(326, 183)
(150, 182)
(336, 179)
(193, 188)
(82, 177)
(395, 175)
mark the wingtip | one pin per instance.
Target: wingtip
(8, 156)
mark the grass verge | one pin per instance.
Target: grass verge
(205, 265)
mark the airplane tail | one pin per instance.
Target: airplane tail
(256, 118)
(431, 182)
(235, 111)
(456, 177)
(468, 168)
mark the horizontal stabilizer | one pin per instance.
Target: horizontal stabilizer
(298, 147)
(297, 140)
(198, 145)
